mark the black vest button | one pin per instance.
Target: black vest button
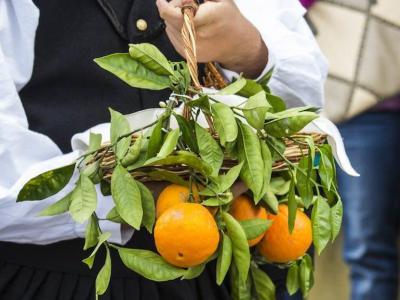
(141, 24)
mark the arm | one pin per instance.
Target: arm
(24, 153)
(264, 34)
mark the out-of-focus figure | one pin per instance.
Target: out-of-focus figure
(361, 39)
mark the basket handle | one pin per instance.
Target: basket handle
(189, 9)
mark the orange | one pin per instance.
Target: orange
(186, 235)
(243, 208)
(174, 194)
(278, 245)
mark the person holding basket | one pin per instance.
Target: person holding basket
(50, 90)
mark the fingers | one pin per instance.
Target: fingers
(176, 39)
(206, 14)
(170, 12)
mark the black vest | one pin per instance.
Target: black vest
(68, 92)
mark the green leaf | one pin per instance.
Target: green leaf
(240, 246)
(326, 168)
(336, 218)
(104, 276)
(221, 200)
(133, 72)
(277, 147)
(288, 123)
(249, 152)
(267, 158)
(114, 216)
(306, 275)
(102, 238)
(224, 123)
(91, 170)
(156, 139)
(46, 184)
(304, 185)
(181, 80)
(141, 159)
(122, 147)
(119, 125)
(271, 200)
(105, 188)
(164, 175)
(224, 258)
(263, 284)
(255, 227)
(83, 200)
(127, 197)
(233, 88)
(170, 143)
(184, 158)
(149, 265)
(321, 224)
(292, 279)
(202, 102)
(194, 272)
(188, 134)
(92, 233)
(264, 80)
(311, 146)
(223, 182)
(149, 210)
(209, 149)
(59, 207)
(133, 153)
(150, 57)
(280, 186)
(276, 102)
(94, 142)
(251, 88)
(240, 288)
(255, 109)
(292, 206)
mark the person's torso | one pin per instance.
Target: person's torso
(68, 92)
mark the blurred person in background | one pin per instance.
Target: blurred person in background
(361, 39)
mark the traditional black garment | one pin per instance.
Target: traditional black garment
(69, 93)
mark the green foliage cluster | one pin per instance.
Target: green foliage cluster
(251, 133)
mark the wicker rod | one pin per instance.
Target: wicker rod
(189, 9)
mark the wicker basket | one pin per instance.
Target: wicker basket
(293, 153)
(212, 79)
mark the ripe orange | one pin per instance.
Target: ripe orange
(243, 208)
(174, 194)
(278, 245)
(186, 235)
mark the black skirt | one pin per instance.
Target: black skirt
(31, 272)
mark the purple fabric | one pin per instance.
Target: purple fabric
(388, 105)
(307, 3)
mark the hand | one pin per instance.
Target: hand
(224, 35)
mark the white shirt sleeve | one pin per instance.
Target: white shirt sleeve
(24, 153)
(300, 69)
